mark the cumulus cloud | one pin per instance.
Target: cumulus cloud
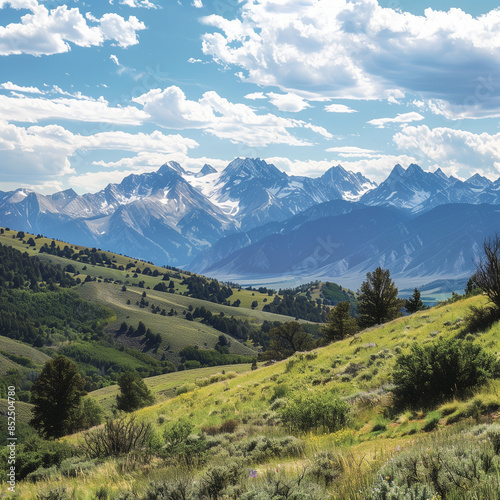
(401, 118)
(44, 32)
(288, 102)
(197, 3)
(238, 123)
(46, 153)
(455, 150)
(339, 108)
(361, 50)
(35, 109)
(19, 88)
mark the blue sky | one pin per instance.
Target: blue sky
(92, 91)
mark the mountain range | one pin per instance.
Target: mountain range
(253, 220)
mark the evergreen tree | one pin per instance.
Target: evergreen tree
(413, 303)
(133, 393)
(378, 300)
(340, 323)
(56, 395)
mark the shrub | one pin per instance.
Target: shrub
(439, 370)
(327, 467)
(178, 432)
(279, 391)
(217, 478)
(182, 489)
(227, 427)
(458, 466)
(183, 389)
(37, 453)
(56, 494)
(119, 436)
(480, 319)
(315, 411)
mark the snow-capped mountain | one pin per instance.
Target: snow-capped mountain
(157, 216)
(207, 219)
(254, 192)
(171, 215)
(416, 191)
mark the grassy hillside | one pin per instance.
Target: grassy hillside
(360, 459)
(15, 348)
(167, 386)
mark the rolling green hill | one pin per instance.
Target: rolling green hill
(359, 459)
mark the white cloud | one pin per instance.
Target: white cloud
(354, 152)
(339, 108)
(317, 129)
(114, 59)
(413, 116)
(32, 110)
(288, 102)
(457, 150)
(18, 88)
(238, 123)
(139, 3)
(192, 60)
(46, 153)
(255, 95)
(361, 50)
(114, 27)
(44, 32)
(197, 3)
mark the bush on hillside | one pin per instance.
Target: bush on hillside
(117, 437)
(480, 319)
(440, 370)
(315, 411)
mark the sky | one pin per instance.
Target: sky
(91, 91)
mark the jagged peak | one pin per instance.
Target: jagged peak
(479, 181)
(255, 167)
(169, 166)
(207, 169)
(397, 171)
(441, 174)
(414, 169)
(65, 194)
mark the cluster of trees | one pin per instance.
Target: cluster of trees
(202, 288)
(35, 317)
(20, 271)
(88, 256)
(297, 306)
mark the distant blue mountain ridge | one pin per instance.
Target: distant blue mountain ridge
(251, 220)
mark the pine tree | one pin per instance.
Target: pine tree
(378, 301)
(413, 303)
(133, 393)
(56, 396)
(340, 323)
